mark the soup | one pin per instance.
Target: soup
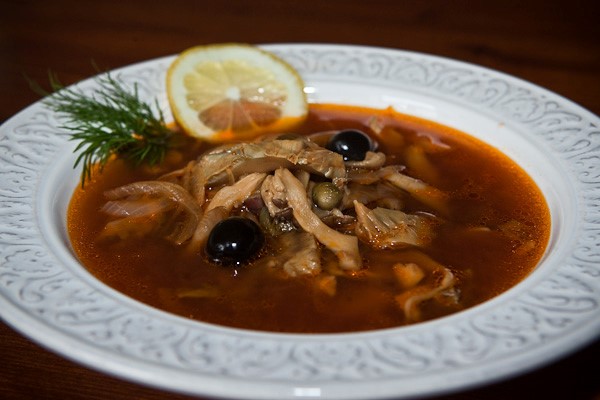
(430, 221)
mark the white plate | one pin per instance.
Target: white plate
(49, 297)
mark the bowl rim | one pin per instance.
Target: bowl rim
(548, 117)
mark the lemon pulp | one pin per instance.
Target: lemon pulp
(234, 91)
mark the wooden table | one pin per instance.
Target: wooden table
(553, 44)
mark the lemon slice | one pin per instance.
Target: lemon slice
(234, 91)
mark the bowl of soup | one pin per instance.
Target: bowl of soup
(455, 250)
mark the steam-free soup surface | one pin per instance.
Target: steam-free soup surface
(489, 234)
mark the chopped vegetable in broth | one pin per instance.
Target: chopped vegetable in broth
(360, 219)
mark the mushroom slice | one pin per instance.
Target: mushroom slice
(165, 205)
(383, 228)
(273, 194)
(423, 279)
(345, 247)
(221, 205)
(426, 194)
(234, 195)
(373, 160)
(410, 300)
(298, 253)
(235, 160)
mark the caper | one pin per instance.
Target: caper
(326, 195)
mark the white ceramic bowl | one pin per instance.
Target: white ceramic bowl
(47, 295)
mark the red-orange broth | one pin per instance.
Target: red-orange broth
(486, 190)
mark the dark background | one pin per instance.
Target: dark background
(555, 44)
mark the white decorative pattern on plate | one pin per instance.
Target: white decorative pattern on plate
(49, 297)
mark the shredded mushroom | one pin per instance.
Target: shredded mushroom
(345, 247)
(273, 178)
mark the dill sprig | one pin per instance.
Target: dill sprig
(110, 121)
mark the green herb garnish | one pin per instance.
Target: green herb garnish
(110, 121)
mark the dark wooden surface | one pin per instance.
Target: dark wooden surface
(555, 44)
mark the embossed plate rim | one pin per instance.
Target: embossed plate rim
(210, 360)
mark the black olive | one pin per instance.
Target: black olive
(234, 241)
(352, 144)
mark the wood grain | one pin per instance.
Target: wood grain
(555, 44)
